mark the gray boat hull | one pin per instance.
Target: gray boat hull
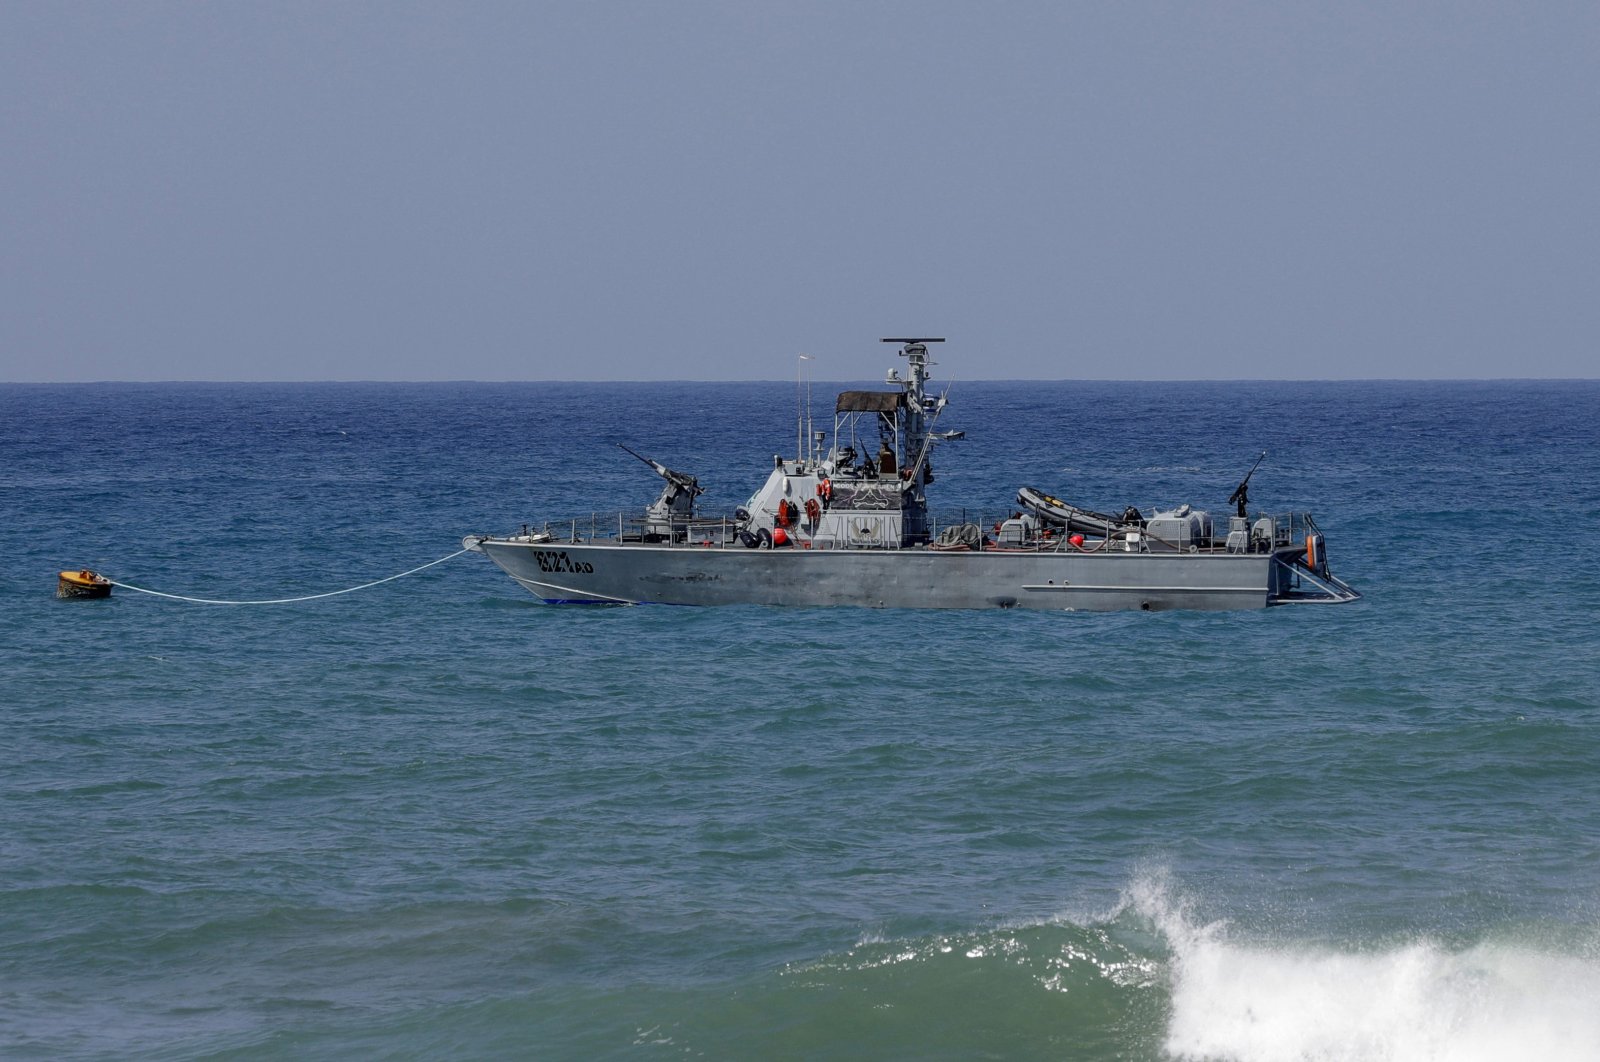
(630, 573)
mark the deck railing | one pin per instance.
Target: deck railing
(722, 532)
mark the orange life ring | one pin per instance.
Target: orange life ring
(813, 510)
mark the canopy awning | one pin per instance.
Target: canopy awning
(870, 401)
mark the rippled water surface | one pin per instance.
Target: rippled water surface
(435, 818)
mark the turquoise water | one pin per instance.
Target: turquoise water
(436, 818)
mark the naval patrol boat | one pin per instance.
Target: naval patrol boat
(849, 524)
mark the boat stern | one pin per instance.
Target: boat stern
(1300, 573)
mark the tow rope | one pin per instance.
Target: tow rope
(287, 600)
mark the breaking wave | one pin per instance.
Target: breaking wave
(1416, 1000)
(1151, 979)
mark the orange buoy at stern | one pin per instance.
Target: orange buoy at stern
(82, 583)
(1315, 557)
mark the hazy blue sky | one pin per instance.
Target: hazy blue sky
(622, 190)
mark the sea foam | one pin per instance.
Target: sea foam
(1413, 1002)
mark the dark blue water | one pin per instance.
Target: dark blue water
(435, 818)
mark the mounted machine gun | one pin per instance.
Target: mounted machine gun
(1241, 493)
(676, 503)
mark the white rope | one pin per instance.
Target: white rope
(286, 600)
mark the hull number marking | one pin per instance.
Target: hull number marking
(558, 561)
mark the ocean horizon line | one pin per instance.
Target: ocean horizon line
(815, 382)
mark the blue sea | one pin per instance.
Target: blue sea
(437, 819)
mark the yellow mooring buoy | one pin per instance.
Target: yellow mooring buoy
(83, 583)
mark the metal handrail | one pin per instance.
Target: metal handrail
(1289, 528)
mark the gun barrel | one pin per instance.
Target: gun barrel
(681, 480)
(660, 469)
(1241, 492)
